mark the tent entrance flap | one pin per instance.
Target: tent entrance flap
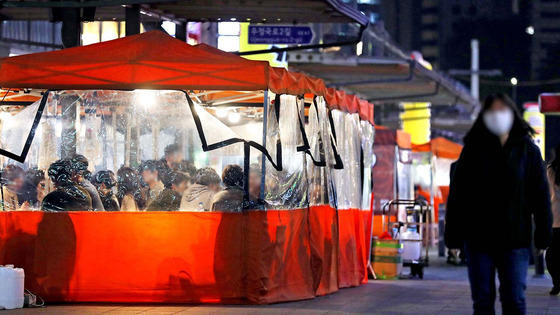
(18, 131)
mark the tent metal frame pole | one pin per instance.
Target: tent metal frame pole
(235, 98)
(263, 158)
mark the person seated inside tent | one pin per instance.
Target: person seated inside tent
(198, 196)
(230, 199)
(172, 156)
(34, 188)
(68, 195)
(170, 198)
(188, 168)
(105, 181)
(79, 165)
(151, 175)
(12, 184)
(254, 181)
(129, 187)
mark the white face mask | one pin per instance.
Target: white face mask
(498, 122)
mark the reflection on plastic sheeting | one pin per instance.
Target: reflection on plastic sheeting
(147, 139)
(319, 178)
(284, 189)
(347, 180)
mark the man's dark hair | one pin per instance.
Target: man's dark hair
(149, 165)
(171, 149)
(34, 177)
(232, 176)
(79, 164)
(187, 167)
(176, 178)
(105, 177)
(11, 172)
(207, 176)
(60, 172)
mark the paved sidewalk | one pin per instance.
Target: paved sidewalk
(444, 290)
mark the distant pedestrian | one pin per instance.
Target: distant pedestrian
(499, 186)
(553, 252)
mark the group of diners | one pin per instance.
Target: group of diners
(168, 184)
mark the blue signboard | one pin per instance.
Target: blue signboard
(277, 34)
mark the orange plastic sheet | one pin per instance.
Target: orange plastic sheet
(324, 244)
(440, 147)
(352, 253)
(251, 257)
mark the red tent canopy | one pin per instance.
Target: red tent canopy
(295, 83)
(440, 147)
(152, 60)
(155, 60)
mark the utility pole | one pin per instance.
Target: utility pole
(474, 69)
(474, 72)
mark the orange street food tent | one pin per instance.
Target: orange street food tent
(440, 147)
(298, 243)
(288, 82)
(391, 172)
(442, 153)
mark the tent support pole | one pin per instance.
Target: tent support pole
(71, 27)
(132, 19)
(69, 106)
(181, 31)
(265, 127)
(114, 129)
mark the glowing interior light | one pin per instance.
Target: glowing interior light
(221, 112)
(513, 81)
(6, 119)
(234, 117)
(254, 128)
(145, 98)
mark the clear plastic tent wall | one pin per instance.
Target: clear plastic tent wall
(285, 188)
(349, 142)
(348, 185)
(367, 132)
(115, 130)
(16, 126)
(321, 189)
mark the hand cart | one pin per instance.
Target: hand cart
(417, 215)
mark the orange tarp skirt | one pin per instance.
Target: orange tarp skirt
(352, 254)
(251, 257)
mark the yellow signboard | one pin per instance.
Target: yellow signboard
(416, 121)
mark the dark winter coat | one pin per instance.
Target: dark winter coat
(496, 192)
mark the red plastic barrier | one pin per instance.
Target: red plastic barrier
(255, 257)
(324, 248)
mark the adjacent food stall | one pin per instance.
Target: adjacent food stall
(392, 171)
(122, 102)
